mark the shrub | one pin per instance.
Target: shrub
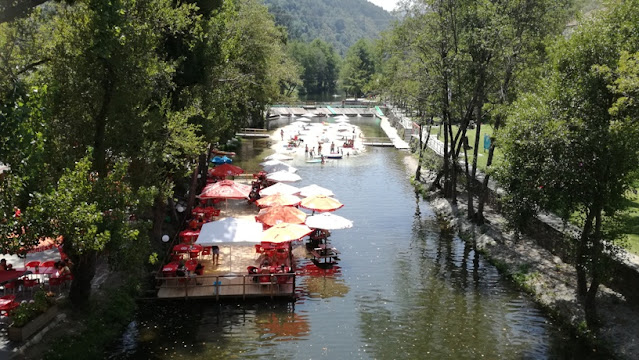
(28, 311)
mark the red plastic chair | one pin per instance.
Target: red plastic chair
(48, 264)
(11, 286)
(206, 251)
(30, 283)
(4, 310)
(55, 281)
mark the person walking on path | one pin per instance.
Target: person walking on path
(282, 134)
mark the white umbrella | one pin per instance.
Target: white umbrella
(279, 188)
(283, 176)
(341, 120)
(271, 162)
(298, 122)
(313, 190)
(278, 156)
(230, 231)
(279, 167)
(341, 117)
(308, 115)
(304, 119)
(328, 221)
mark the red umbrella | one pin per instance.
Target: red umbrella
(226, 170)
(226, 189)
(284, 232)
(280, 214)
(321, 203)
(278, 199)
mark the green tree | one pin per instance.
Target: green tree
(573, 145)
(319, 63)
(358, 68)
(92, 213)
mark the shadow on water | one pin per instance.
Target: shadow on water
(406, 287)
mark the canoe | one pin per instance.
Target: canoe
(220, 152)
(314, 161)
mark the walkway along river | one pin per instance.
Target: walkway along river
(405, 289)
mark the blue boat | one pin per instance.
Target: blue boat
(221, 160)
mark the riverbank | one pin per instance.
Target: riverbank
(545, 276)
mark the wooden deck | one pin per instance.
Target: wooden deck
(253, 133)
(229, 279)
(379, 141)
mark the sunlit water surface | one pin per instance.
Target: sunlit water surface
(403, 290)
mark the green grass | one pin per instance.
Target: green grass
(483, 154)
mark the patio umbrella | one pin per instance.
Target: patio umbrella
(328, 221)
(278, 199)
(285, 232)
(229, 231)
(278, 156)
(221, 160)
(321, 203)
(279, 167)
(312, 190)
(280, 214)
(281, 188)
(226, 170)
(283, 176)
(225, 189)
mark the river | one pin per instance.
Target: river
(405, 289)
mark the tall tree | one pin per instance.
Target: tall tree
(573, 145)
(358, 68)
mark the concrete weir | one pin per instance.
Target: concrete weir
(361, 115)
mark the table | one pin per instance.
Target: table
(185, 248)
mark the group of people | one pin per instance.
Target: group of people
(182, 271)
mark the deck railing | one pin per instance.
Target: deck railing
(249, 281)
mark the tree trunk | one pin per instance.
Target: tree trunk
(483, 194)
(159, 213)
(192, 189)
(418, 172)
(590, 306)
(453, 169)
(471, 210)
(582, 255)
(99, 151)
(83, 273)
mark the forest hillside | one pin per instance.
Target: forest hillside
(338, 22)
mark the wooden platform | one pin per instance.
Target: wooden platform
(253, 133)
(380, 141)
(228, 279)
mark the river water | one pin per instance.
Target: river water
(404, 289)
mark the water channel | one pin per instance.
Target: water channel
(405, 289)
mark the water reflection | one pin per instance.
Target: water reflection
(404, 288)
